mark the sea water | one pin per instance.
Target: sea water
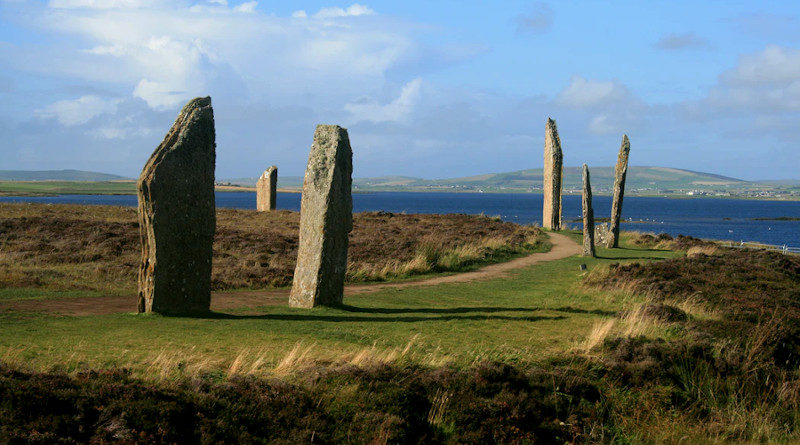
(714, 218)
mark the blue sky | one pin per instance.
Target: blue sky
(426, 88)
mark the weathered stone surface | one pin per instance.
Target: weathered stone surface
(177, 215)
(326, 219)
(588, 215)
(601, 234)
(620, 172)
(267, 190)
(553, 169)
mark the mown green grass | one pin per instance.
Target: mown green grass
(21, 294)
(34, 188)
(531, 315)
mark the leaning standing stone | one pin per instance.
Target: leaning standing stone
(588, 215)
(553, 168)
(177, 215)
(266, 190)
(326, 218)
(620, 172)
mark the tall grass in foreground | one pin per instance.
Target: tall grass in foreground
(712, 348)
(171, 363)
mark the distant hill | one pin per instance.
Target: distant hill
(57, 175)
(641, 181)
(283, 181)
(297, 181)
(602, 178)
(648, 180)
(642, 178)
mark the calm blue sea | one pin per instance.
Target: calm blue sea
(725, 219)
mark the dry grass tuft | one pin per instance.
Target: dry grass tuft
(648, 320)
(438, 407)
(297, 358)
(701, 250)
(598, 335)
(665, 241)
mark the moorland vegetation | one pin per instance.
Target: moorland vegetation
(663, 340)
(96, 248)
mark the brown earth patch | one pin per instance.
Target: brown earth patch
(68, 247)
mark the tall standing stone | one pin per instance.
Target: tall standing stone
(620, 172)
(267, 190)
(553, 169)
(177, 215)
(326, 219)
(588, 215)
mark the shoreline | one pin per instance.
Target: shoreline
(234, 189)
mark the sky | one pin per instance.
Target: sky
(431, 89)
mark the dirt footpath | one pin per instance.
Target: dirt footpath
(563, 247)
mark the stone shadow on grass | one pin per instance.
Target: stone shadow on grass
(642, 249)
(465, 310)
(351, 318)
(600, 257)
(574, 310)
(426, 310)
(469, 313)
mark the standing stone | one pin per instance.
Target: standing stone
(326, 218)
(588, 215)
(177, 215)
(553, 169)
(620, 172)
(601, 234)
(266, 190)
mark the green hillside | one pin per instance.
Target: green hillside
(602, 178)
(57, 175)
(50, 188)
(655, 179)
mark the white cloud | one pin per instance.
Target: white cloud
(158, 95)
(608, 106)
(246, 7)
(395, 111)
(111, 50)
(766, 82)
(100, 4)
(78, 111)
(773, 65)
(301, 14)
(582, 93)
(171, 51)
(353, 10)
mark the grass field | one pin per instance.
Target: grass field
(538, 312)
